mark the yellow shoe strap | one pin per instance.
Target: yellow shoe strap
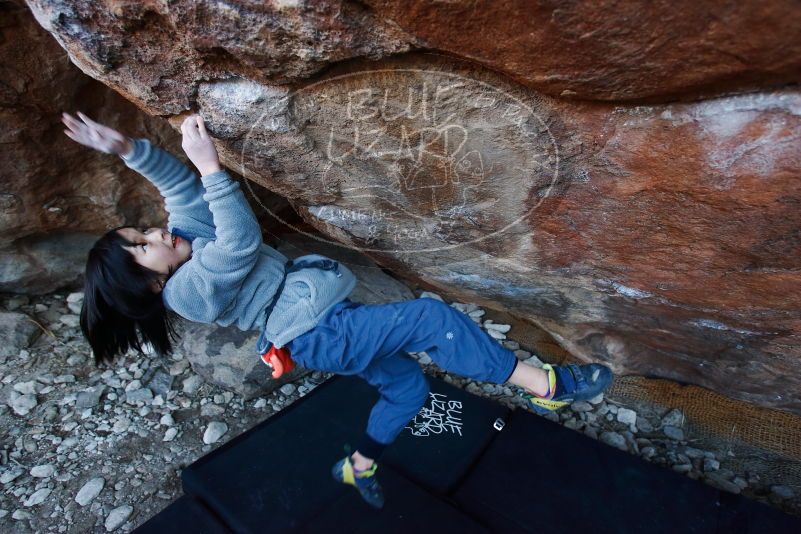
(367, 472)
(547, 403)
(347, 473)
(551, 382)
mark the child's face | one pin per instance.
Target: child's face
(155, 248)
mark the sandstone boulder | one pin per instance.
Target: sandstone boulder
(17, 331)
(601, 50)
(661, 238)
(612, 50)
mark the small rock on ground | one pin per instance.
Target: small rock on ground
(674, 433)
(214, 432)
(90, 490)
(117, 517)
(614, 439)
(626, 416)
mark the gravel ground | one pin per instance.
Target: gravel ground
(84, 449)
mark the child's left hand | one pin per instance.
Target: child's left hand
(95, 135)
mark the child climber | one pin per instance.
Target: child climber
(211, 266)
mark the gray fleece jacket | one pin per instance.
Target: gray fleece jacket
(232, 275)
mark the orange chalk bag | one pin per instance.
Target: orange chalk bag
(279, 360)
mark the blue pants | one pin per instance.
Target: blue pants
(372, 341)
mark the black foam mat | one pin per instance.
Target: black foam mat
(408, 509)
(744, 516)
(539, 476)
(445, 439)
(183, 515)
(277, 475)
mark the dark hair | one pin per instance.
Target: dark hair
(120, 309)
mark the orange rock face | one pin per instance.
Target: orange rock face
(662, 238)
(615, 50)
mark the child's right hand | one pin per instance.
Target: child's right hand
(94, 135)
(198, 145)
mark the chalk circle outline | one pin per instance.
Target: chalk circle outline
(286, 100)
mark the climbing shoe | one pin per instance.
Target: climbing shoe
(364, 481)
(569, 383)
